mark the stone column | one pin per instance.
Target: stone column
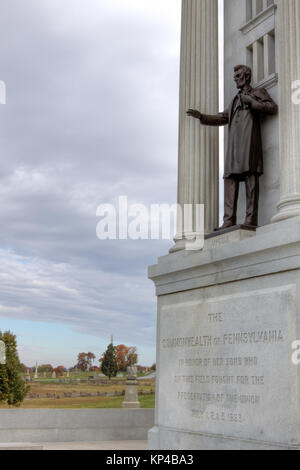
(198, 163)
(288, 23)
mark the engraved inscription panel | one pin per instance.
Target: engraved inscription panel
(225, 365)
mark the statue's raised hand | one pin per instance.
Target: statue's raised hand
(194, 113)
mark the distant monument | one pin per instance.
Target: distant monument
(53, 375)
(28, 378)
(131, 390)
(36, 371)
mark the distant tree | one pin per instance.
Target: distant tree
(23, 368)
(13, 389)
(153, 367)
(108, 361)
(132, 357)
(121, 352)
(125, 356)
(142, 369)
(45, 368)
(85, 361)
(59, 371)
(90, 358)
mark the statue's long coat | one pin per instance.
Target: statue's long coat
(244, 151)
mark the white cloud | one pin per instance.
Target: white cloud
(90, 301)
(91, 114)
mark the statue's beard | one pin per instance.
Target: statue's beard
(242, 85)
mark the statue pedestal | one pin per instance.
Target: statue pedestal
(227, 373)
(131, 394)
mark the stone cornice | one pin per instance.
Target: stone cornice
(258, 19)
(275, 248)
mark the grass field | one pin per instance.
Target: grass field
(146, 401)
(41, 387)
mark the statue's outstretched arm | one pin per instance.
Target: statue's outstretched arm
(220, 119)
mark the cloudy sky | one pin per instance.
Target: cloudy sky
(91, 115)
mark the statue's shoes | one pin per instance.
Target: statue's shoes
(224, 227)
(245, 226)
(250, 225)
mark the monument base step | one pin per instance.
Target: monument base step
(131, 404)
(162, 438)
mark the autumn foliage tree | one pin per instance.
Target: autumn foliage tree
(125, 356)
(59, 371)
(90, 357)
(85, 361)
(13, 389)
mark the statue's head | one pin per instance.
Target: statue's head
(242, 76)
